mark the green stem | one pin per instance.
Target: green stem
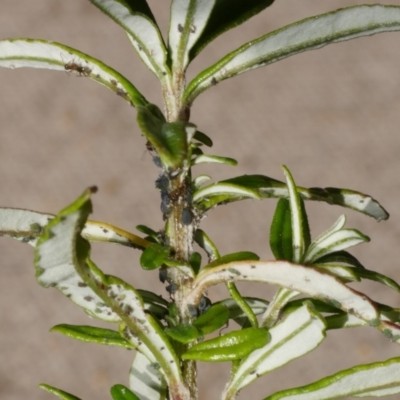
(241, 302)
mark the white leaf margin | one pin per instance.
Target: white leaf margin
(26, 226)
(298, 242)
(58, 264)
(375, 379)
(36, 53)
(220, 188)
(301, 332)
(308, 34)
(187, 22)
(145, 379)
(336, 241)
(143, 34)
(296, 277)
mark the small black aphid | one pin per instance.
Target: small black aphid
(165, 201)
(180, 28)
(162, 182)
(192, 310)
(186, 217)
(171, 288)
(157, 161)
(204, 305)
(162, 275)
(189, 197)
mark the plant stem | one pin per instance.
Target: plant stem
(179, 233)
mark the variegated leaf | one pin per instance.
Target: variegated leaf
(308, 34)
(377, 379)
(139, 23)
(187, 22)
(301, 332)
(35, 53)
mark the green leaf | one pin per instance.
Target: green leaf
(258, 306)
(263, 187)
(377, 379)
(337, 241)
(199, 180)
(308, 34)
(298, 334)
(153, 303)
(183, 333)
(136, 18)
(169, 139)
(227, 14)
(59, 393)
(203, 138)
(343, 320)
(346, 274)
(146, 379)
(211, 320)
(187, 22)
(377, 277)
(280, 236)
(202, 239)
(239, 256)
(235, 294)
(121, 392)
(300, 230)
(92, 334)
(195, 262)
(149, 232)
(35, 53)
(231, 346)
(341, 257)
(208, 159)
(154, 256)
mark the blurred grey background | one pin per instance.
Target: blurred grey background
(331, 115)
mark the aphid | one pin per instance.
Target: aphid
(214, 82)
(192, 29)
(186, 217)
(149, 146)
(171, 288)
(74, 67)
(165, 203)
(162, 275)
(180, 28)
(157, 161)
(122, 93)
(204, 305)
(192, 310)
